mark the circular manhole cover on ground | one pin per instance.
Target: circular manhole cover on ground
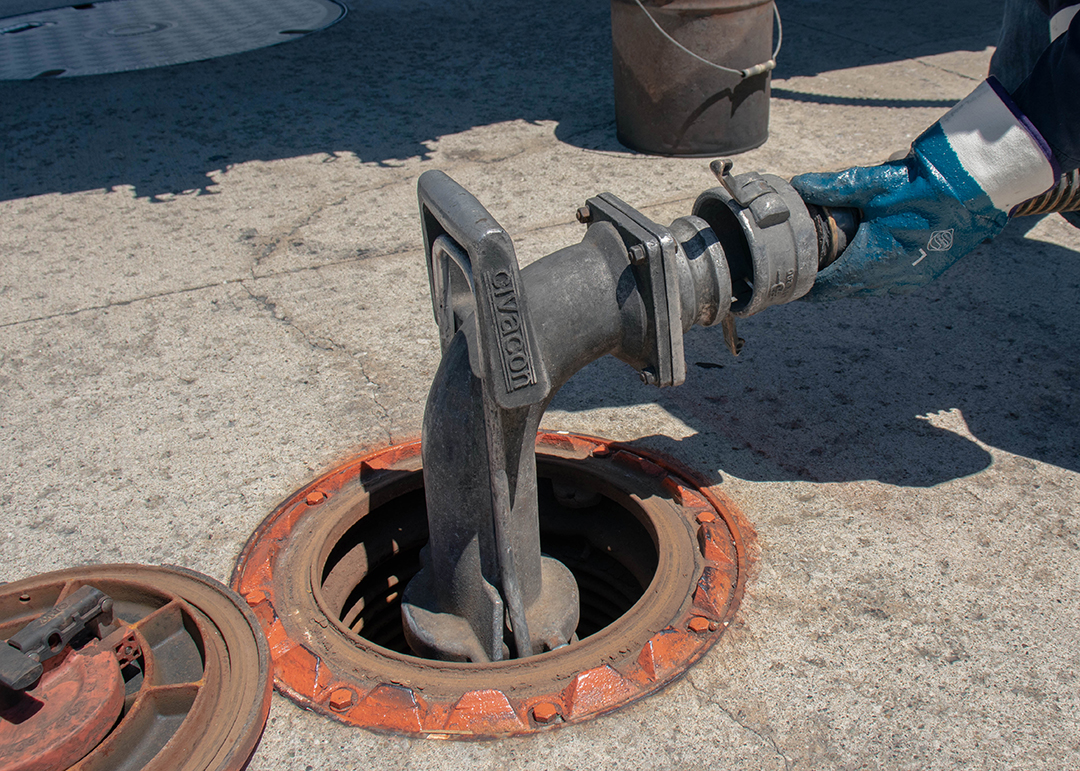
(659, 558)
(179, 678)
(122, 35)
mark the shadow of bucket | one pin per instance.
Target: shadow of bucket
(667, 102)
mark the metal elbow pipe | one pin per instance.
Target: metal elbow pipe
(511, 338)
(487, 561)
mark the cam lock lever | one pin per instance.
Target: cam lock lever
(775, 242)
(835, 225)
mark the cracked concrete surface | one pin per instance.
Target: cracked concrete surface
(212, 290)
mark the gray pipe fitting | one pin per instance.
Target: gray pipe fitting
(704, 280)
(511, 338)
(769, 238)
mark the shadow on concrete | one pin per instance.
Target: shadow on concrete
(391, 79)
(868, 389)
(857, 101)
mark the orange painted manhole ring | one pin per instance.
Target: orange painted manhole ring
(658, 556)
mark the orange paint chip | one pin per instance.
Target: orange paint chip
(310, 675)
(644, 465)
(713, 591)
(484, 711)
(668, 649)
(672, 485)
(595, 689)
(391, 707)
(278, 638)
(262, 608)
(647, 660)
(715, 543)
(693, 500)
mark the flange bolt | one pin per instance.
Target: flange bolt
(699, 624)
(341, 699)
(545, 712)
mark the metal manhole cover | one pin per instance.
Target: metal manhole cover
(166, 669)
(122, 35)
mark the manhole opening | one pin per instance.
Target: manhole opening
(657, 554)
(606, 545)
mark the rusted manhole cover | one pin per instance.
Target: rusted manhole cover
(658, 556)
(72, 708)
(122, 35)
(182, 683)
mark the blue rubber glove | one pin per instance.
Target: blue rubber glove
(921, 214)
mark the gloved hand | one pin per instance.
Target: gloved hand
(922, 213)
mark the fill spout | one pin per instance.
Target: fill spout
(511, 338)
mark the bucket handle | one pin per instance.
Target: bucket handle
(757, 69)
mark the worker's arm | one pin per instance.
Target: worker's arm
(1050, 96)
(961, 179)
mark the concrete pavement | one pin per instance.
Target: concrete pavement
(212, 289)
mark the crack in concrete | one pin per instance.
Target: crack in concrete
(361, 257)
(375, 398)
(269, 306)
(272, 246)
(321, 343)
(710, 697)
(121, 303)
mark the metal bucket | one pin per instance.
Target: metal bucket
(669, 103)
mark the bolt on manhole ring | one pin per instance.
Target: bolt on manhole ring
(324, 571)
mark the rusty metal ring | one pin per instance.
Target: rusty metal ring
(324, 665)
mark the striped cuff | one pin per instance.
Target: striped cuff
(999, 147)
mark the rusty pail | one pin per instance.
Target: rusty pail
(692, 76)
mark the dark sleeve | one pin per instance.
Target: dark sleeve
(1053, 6)
(1050, 96)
